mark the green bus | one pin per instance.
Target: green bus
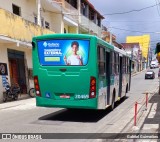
(79, 71)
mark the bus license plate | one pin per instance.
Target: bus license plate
(65, 96)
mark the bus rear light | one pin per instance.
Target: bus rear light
(36, 87)
(35, 79)
(36, 84)
(93, 88)
(92, 93)
(37, 92)
(93, 82)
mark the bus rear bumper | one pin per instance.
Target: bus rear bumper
(84, 104)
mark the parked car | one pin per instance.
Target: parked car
(150, 74)
(154, 64)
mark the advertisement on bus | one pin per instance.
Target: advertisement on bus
(63, 52)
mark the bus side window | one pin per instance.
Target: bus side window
(128, 65)
(124, 65)
(116, 63)
(101, 61)
(112, 70)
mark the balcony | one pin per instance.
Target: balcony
(70, 11)
(90, 26)
(17, 28)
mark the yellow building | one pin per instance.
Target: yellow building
(144, 42)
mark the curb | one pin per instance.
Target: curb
(134, 74)
(129, 126)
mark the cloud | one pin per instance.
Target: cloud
(147, 20)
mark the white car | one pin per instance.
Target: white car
(154, 64)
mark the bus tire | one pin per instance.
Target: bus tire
(126, 92)
(113, 100)
(31, 92)
(127, 88)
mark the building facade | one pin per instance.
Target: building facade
(86, 16)
(134, 50)
(23, 19)
(144, 42)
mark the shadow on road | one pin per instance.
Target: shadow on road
(79, 115)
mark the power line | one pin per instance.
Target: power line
(118, 21)
(157, 1)
(132, 31)
(134, 10)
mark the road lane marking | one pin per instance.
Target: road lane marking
(153, 111)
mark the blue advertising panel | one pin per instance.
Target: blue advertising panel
(63, 52)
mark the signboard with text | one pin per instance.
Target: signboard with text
(63, 52)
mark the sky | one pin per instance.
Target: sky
(145, 18)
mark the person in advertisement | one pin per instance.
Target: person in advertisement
(74, 59)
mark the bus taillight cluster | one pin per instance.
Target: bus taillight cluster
(36, 84)
(92, 87)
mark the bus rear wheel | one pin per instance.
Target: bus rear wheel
(125, 96)
(113, 101)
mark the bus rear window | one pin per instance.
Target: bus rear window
(63, 52)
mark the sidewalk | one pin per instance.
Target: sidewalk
(11, 103)
(149, 121)
(135, 73)
(20, 102)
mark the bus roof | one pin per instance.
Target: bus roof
(122, 52)
(80, 36)
(63, 36)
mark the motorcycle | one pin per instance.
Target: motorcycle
(11, 91)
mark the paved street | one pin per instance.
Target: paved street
(24, 117)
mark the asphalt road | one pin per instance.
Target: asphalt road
(24, 117)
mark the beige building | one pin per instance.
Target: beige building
(86, 16)
(23, 19)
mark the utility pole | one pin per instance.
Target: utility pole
(39, 12)
(79, 14)
(147, 65)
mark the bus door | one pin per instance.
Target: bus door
(108, 66)
(120, 77)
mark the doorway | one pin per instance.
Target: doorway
(17, 69)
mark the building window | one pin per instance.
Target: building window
(16, 10)
(91, 15)
(35, 20)
(72, 2)
(65, 31)
(83, 9)
(99, 22)
(47, 25)
(42, 22)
